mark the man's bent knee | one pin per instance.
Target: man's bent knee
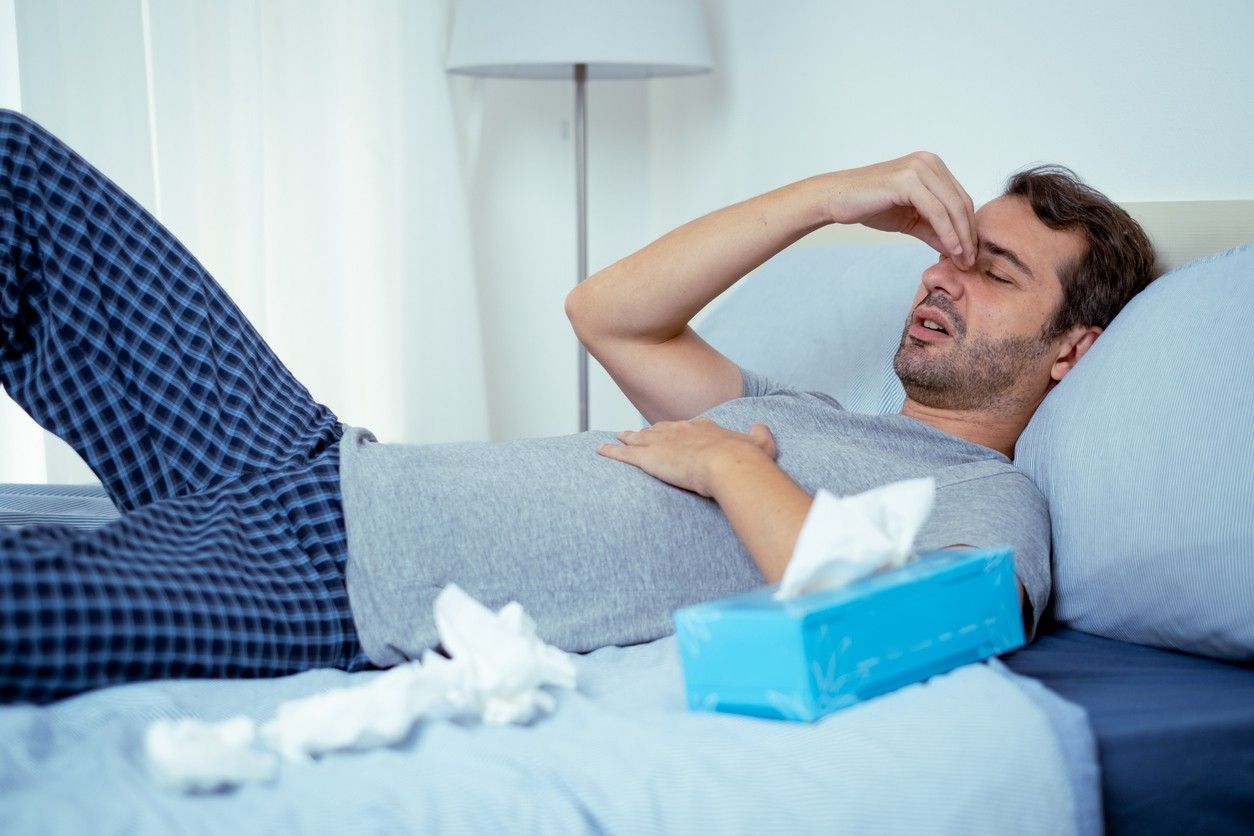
(14, 123)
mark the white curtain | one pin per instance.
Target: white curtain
(306, 153)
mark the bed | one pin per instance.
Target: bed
(1175, 731)
(977, 750)
(1076, 733)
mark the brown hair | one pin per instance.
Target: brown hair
(1119, 260)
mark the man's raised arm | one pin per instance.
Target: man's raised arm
(633, 315)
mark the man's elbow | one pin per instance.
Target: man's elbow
(581, 312)
(574, 304)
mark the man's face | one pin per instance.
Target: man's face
(992, 347)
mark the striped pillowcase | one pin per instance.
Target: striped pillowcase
(1145, 452)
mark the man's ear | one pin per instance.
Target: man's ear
(1073, 345)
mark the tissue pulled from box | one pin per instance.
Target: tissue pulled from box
(847, 538)
(497, 674)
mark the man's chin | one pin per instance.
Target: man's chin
(932, 397)
(927, 385)
(917, 360)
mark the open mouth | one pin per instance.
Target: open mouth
(929, 324)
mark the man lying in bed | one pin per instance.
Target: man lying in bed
(259, 536)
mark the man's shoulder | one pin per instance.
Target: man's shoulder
(994, 486)
(994, 474)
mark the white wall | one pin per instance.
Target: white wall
(1147, 100)
(10, 83)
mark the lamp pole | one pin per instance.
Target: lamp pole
(546, 39)
(581, 203)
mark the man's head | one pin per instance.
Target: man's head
(1057, 260)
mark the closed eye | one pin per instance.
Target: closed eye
(994, 276)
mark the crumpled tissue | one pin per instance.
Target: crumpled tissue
(847, 538)
(497, 672)
(194, 756)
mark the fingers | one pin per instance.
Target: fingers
(943, 212)
(662, 430)
(637, 437)
(959, 204)
(933, 212)
(958, 224)
(763, 437)
(616, 452)
(683, 434)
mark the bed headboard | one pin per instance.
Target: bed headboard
(1181, 230)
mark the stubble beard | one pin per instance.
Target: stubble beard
(975, 374)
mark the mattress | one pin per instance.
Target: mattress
(1175, 732)
(80, 506)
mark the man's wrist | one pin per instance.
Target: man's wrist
(730, 465)
(819, 196)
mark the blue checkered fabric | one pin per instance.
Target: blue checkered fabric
(229, 557)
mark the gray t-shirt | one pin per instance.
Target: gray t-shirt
(600, 553)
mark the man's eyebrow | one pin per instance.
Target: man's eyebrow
(1002, 252)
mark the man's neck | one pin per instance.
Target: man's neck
(998, 429)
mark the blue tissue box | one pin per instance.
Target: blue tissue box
(804, 657)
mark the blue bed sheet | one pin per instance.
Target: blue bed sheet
(964, 753)
(1175, 732)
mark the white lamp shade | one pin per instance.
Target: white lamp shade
(545, 38)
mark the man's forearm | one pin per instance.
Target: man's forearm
(765, 507)
(653, 293)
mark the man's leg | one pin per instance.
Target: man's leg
(113, 337)
(237, 581)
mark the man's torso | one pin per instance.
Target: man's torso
(600, 553)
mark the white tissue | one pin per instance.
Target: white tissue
(497, 672)
(846, 538)
(194, 756)
(377, 713)
(503, 662)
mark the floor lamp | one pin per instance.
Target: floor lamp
(579, 40)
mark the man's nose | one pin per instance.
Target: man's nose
(947, 275)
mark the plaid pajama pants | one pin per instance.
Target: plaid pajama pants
(229, 558)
